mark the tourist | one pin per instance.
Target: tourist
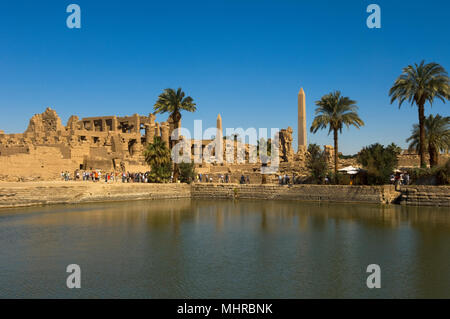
(248, 179)
(242, 181)
(406, 179)
(227, 178)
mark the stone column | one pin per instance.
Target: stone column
(149, 133)
(137, 123)
(114, 124)
(157, 129)
(151, 118)
(165, 133)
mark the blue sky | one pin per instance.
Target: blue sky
(244, 59)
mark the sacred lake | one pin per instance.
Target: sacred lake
(195, 248)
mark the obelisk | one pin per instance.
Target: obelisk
(219, 124)
(219, 140)
(301, 120)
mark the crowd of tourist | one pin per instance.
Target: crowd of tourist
(98, 175)
(127, 177)
(400, 178)
(205, 178)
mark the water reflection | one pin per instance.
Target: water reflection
(230, 249)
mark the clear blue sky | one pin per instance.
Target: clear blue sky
(244, 59)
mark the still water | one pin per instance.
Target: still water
(225, 249)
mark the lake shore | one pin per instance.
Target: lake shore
(24, 194)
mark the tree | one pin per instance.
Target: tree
(187, 172)
(419, 84)
(334, 111)
(379, 161)
(173, 102)
(437, 136)
(316, 163)
(157, 156)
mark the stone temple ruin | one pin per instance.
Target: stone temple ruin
(47, 147)
(114, 143)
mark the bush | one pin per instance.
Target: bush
(438, 175)
(443, 174)
(160, 174)
(317, 164)
(379, 161)
(339, 178)
(187, 172)
(157, 156)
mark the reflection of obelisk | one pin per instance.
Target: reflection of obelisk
(301, 120)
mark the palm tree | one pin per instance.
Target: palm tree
(334, 111)
(157, 156)
(419, 84)
(437, 136)
(173, 102)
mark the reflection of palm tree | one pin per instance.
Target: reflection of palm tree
(437, 136)
(420, 84)
(334, 111)
(173, 102)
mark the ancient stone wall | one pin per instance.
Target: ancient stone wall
(424, 195)
(329, 193)
(413, 160)
(44, 193)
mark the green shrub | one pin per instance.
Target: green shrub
(439, 175)
(187, 172)
(379, 161)
(443, 174)
(157, 156)
(317, 164)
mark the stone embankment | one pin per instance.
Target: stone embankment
(22, 194)
(333, 193)
(421, 195)
(44, 193)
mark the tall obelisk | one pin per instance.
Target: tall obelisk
(301, 120)
(219, 140)
(219, 124)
